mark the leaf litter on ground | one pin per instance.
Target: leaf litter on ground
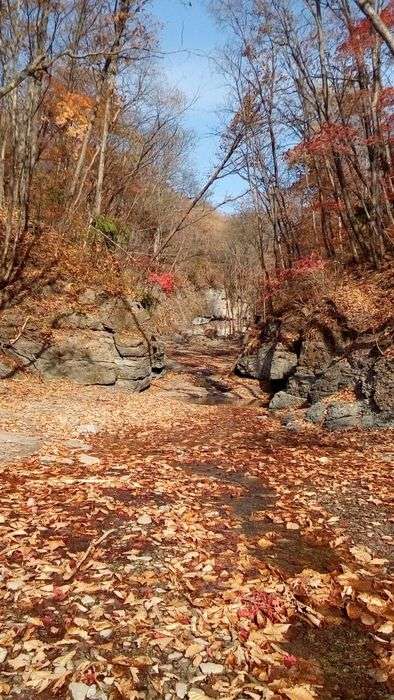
(146, 573)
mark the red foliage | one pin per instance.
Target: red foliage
(290, 661)
(262, 602)
(362, 35)
(331, 138)
(328, 204)
(386, 97)
(302, 266)
(164, 280)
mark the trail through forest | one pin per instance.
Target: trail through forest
(191, 547)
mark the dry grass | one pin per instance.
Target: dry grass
(176, 312)
(364, 298)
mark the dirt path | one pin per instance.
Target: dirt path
(182, 544)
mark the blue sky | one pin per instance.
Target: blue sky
(189, 35)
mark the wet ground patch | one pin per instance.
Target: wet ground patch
(345, 656)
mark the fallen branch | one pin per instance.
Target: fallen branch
(20, 332)
(87, 554)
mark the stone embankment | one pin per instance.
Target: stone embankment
(343, 376)
(101, 339)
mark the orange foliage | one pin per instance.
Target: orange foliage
(70, 110)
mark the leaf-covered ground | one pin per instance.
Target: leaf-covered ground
(190, 551)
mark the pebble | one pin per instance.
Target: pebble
(210, 668)
(88, 601)
(88, 429)
(78, 691)
(181, 690)
(144, 520)
(89, 460)
(15, 584)
(106, 634)
(75, 444)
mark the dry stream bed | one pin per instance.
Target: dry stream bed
(183, 544)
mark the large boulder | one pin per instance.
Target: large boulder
(345, 415)
(217, 305)
(103, 339)
(5, 370)
(301, 382)
(339, 375)
(383, 384)
(248, 366)
(283, 400)
(316, 413)
(123, 314)
(102, 358)
(315, 354)
(86, 358)
(264, 360)
(78, 320)
(27, 349)
(130, 346)
(282, 363)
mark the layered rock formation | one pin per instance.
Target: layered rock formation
(102, 339)
(342, 375)
(223, 318)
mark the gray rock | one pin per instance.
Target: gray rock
(283, 400)
(282, 364)
(75, 444)
(78, 321)
(120, 314)
(5, 371)
(383, 384)
(248, 366)
(200, 321)
(27, 349)
(216, 301)
(300, 383)
(338, 375)
(137, 385)
(130, 346)
(315, 353)
(344, 416)
(88, 601)
(264, 358)
(292, 424)
(88, 460)
(17, 446)
(81, 371)
(316, 412)
(89, 297)
(85, 358)
(138, 368)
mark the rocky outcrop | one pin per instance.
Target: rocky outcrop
(284, 400)
(344, 374)
(224, 317)
(282, 363)
(104, 340)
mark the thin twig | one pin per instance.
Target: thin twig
(87, 554)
